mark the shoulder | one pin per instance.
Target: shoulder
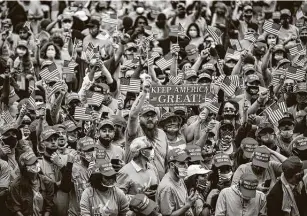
(46, 180)
(276, 191)
(125, 170)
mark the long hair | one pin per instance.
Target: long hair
(26, 63)
(235, 104)
(44, 51)
(197, 29)
(137, 20)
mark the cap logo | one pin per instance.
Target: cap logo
(142, 205)
(100, 154)
(262, 156)
(250, 185)
(221, 158)
(300, 142)
(250, 147)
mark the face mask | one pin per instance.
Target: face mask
(87, 156)
(286, 134)
(202, 184)
(108, 183)
(278, 57)
(301, 98)
(50, 53)
(248, 16)
(38, 103)
(67, 25)
(288, 88)
(267, 139)
(193, 33)
(34, 168)
(226, 176)
(303, 38)
(140, 10)
(21, 52)
(181, 172)
(10, 141)
(150, 156)
(50, 151)
(252, 90)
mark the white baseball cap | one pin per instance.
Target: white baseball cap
(196, 169)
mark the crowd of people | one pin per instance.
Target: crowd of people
(153, 108)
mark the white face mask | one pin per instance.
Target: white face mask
(36, 168)
(286, 134)
(50, 53)
(193, 33)
(226, 176)
(149, 156)
(182, 172)
(39, 103)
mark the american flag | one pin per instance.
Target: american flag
(50, 73)
(298, 49)
(130, 85)
(112, 19)
(235, 79)
(131, 63)
(235, 44)
(282, 105)
(176, 30)
(270, 27)
(78, 43)
(83, 113)
(27, 25)
(148, 30)
(276, 77)
(94, 98)
(176, 80)
(69, 67)
(252, 37)
(151, 57)
(295, 73)
(228, 87)
(213, 107)
(300, 60)
(89, 52)
(7, 117)
(31, 100)
(211, 98)
(215, 33)
(56, 87)
(274, 113)
(231, 53)
(165, 62)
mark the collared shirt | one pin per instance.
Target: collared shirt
(271, 173)
(132, 178)
(230, 203)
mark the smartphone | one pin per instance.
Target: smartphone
(153, 187)
(267, 183)
(115, 161)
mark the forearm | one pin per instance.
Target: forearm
(19, 213)
(254, 107)
(202, 140)
(181, 211)
(56, 108)
(237, 68)
(173, 69)
(265, 61)
(107, 74)
(197, 64)
(119, 52)
(138, 103)
(51, 25)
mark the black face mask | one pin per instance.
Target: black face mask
(252, 90)
(301, 154)
(160, 24)
(50, 151)
(248, 17)
(10, 141)
(303, 38)
(227, 70)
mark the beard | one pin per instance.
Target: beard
(150, 133)
(105, 141)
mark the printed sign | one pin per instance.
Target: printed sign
(174, 95)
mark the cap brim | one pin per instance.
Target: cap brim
(224, 163)
(301, 148)
(149, 111)
(260, 163)
(73, 128)
(105, 125)
(109, 173)
(196, 158)
(47, 137)
(11, 129)
(191, 76)
(248, 193)
(31, 161)
(87, 147)
(183, 157)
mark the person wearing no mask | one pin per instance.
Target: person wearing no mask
(103, 197)
(32, 193)
(172, 195)
(242, 199)
(139, 175)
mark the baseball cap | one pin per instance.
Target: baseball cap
(204, 76)
(248, 185)
(194, 152)
(27, 158)
(86, 143)
(139, 143)
(22, 43)
(287, 119)
(8, 127)
(300, 143)
(247, 8)
(196, 169)
(251, 78)
(70, 126)
(67, 16)
(248, 146)
(93, 22)
(48, 133)
(190, 73)
(292, 165)
(178, 154)
(166, 116)
(221, 159)
(147, 108)
(248, 67)
(301, 87)
(267, 126)
(140, 203)
(261, 157)
(208, 66)
(180, 108)
(285, 12)
(279, 47)
(192, 52)
(276, 15)
(105, 122)
(104, 167)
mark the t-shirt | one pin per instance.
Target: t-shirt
(5, 173)
(113, 151)
(99, 203)
(171, 195)
(160, 146)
